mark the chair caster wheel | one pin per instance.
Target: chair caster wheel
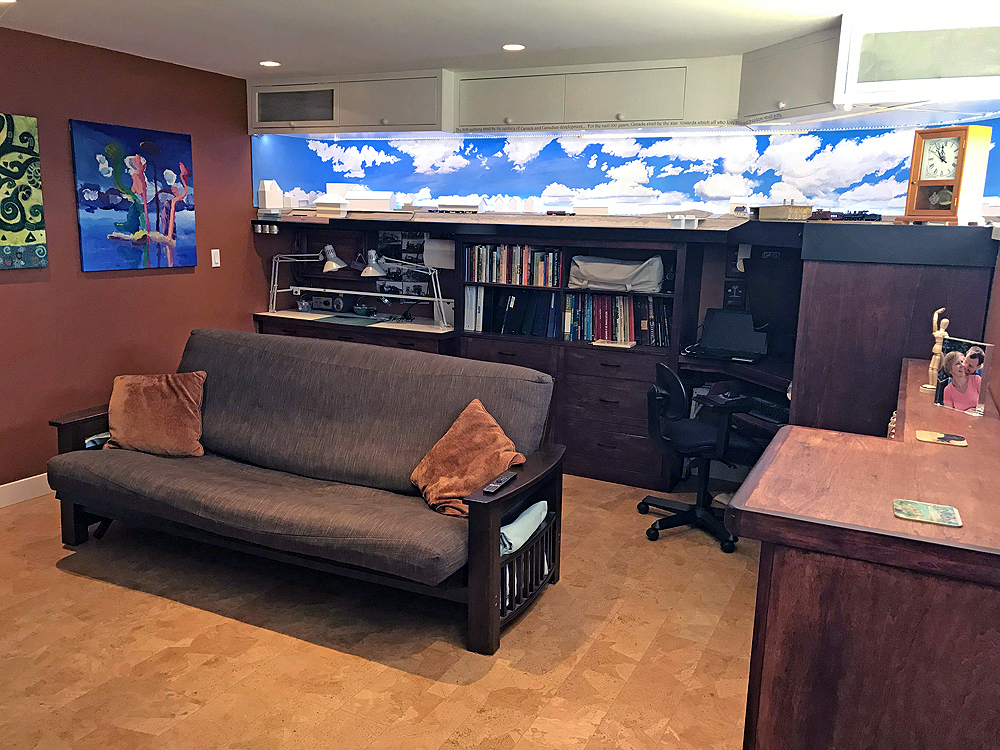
(652, 534)
(728, 546)
(642, 508)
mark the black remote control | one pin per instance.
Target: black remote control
(499, 482)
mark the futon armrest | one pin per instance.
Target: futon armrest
(538, 467)
(74, 429)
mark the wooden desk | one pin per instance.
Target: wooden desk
(769, 373)
(871, 632)
(420, 334)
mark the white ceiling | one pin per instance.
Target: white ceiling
(371, 36)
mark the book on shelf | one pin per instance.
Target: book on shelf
(514, 312)
(522, 265)
(625, 319)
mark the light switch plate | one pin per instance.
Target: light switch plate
(216, 260)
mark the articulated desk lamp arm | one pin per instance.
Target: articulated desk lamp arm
(328, 254)
(375, 268)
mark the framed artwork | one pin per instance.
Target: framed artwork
(134, 197)
(963, 376)
(22, 217)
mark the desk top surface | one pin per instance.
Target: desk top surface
(417, 325)
(833, 491)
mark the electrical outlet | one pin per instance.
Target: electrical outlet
(216, 260)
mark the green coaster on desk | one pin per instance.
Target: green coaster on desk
(911, 510)
(351, 320)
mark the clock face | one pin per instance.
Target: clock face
(940, 158)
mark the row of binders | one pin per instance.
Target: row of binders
(517, 312)
(513, 264)
(642, 319)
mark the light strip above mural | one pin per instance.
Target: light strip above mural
(841, 170)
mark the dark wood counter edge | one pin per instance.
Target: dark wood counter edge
(964, 562)
(901, 401)
(898, 244)
(757, 648)
(319, 324)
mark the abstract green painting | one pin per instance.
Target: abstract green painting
(22, 219)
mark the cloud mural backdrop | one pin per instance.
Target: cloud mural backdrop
(836, 170)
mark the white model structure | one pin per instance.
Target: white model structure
(371, 200)
(332, 205)
(269, 196)
(590, 208)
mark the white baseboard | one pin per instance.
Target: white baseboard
(23, 489)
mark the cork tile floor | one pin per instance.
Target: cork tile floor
(142, 641)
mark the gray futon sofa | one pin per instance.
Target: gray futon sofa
(309, 446)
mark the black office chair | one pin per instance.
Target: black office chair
(707, 437)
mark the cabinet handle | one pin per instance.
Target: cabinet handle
(345, 338)
(406, 343)
(608, 445)
(289, 332)
(507, 121)
(608, 400)
(609, 364)
(383, 121)
(619, 117)
(507, 354)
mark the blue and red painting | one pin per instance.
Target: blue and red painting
(134, 197)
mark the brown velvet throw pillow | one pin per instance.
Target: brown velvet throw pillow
(473, 451)
(158, 414)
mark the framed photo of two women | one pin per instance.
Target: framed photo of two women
(964, 375)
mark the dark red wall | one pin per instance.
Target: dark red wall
(65, 334)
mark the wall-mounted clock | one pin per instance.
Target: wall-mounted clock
(948, 174)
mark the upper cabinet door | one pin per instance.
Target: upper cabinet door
(520, 100)
(790, 76)
(288, 106)
(625, 95)
(389, 103)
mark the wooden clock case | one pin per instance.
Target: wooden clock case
(966, 185)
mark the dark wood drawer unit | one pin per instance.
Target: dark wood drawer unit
(616, 402)
(400, 339)
(614, 453)
(541, 357)
(611, 363)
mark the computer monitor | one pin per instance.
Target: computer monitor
(774, 287)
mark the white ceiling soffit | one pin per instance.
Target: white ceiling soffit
(372, 36)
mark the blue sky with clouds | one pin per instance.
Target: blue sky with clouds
(839, 170)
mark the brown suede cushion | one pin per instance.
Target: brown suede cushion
(473, 451)
(158, 414)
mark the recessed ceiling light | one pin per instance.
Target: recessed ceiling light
(270, 63)
(513, 47)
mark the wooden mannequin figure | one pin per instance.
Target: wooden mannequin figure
(940, 333)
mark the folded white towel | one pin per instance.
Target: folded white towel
(517, 532)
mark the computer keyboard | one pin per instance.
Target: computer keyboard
(769, 411)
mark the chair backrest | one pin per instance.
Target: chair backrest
(667, 401)
(671, 394)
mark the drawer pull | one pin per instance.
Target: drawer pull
(345, 338)
(406, 343)
(289, 332)
(609, 364)
(608, 400)
(607, 445)
(507, 354)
